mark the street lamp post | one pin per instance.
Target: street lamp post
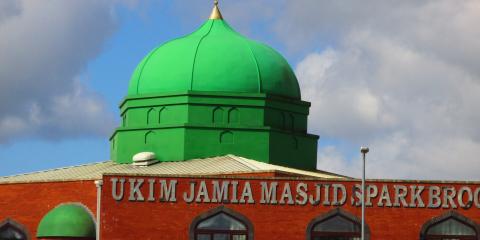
(364, 151)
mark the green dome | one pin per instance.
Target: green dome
(214, 58)
(67, 220)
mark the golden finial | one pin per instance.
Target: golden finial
(215, 11)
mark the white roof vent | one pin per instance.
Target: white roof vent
(144, 159)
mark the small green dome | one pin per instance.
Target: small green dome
(67, 220)
(214, 58)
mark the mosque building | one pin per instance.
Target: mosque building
(214, 145)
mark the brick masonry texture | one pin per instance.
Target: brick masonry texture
(165, 220)
(27, 203)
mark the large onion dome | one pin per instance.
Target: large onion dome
(214, 58)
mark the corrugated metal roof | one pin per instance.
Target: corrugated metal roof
(83, 172)
(228, 164)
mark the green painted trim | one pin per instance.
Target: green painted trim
(218, 104)
(67, 220)
(217, 127)
(215, 99)
(215, 94)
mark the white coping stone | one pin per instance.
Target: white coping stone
(144, 156)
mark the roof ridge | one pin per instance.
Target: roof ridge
(259, 76)
(147, 58)
(244, 161)
(196, 53)
(54, 169)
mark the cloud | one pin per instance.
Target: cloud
(45, 47)
(400, 76)
(8, 9)
(403, 78)
(78, 113)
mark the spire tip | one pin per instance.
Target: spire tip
(215, 11)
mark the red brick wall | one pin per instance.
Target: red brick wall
(27, 203)
(163, 220)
